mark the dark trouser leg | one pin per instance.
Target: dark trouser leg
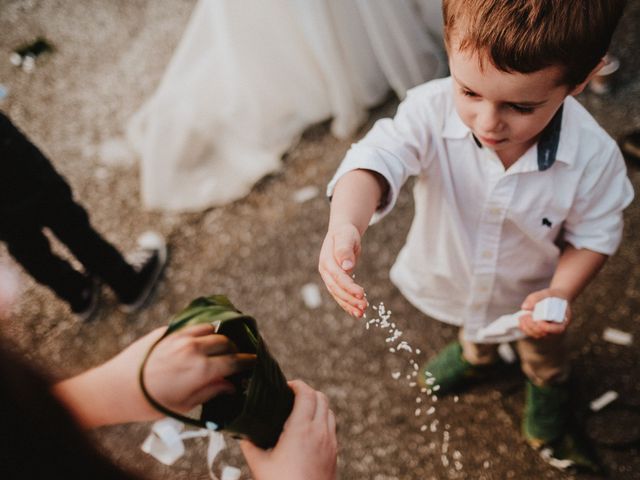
(31, 248)
(70, 223)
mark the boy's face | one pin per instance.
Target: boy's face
(505, 111)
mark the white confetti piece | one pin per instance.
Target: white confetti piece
(164, 442)
(230, 473)
(506, 353)
(616, 336)
(115, 152)
(550, 309)
(216, 445)
(418, 412)
(311, 295)
(603, 400)
(305, 194)
(395, 375)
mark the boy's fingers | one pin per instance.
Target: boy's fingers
(339, 292)
(554, 328)
(346, 282)
(344, 252)
(529, 327)
(530, 302)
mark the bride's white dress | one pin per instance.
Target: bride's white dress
(250, 75)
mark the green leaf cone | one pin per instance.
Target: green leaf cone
(263, 400)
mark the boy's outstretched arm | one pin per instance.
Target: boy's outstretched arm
(575, 270)
(355, 199)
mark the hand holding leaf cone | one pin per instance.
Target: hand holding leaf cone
(262, 401)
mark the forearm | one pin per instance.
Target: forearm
(355, 199)
(575, 270)
(101, 396)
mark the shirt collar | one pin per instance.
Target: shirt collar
(551, 146)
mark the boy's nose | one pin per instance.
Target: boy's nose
(489, 120)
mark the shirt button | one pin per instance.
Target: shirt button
(495, 211)
(487, 254)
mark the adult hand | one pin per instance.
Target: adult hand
(185, 369)
(338, 256)
(188, 367)
(542, 328)
(307, 448)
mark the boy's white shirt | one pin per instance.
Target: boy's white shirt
(483, 238)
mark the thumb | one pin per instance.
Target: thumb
(252, 453)
(344, 250)
(530, 302)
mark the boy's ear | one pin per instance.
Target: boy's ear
(580, 87)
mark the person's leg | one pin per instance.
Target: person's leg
(30, 248)
(70, 223)
(478, 353)
(132, 281)
(544, 361)
(545, 364)
(547, 423)
(457, 365)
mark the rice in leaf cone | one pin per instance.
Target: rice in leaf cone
(262, 401)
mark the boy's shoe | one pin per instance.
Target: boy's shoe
(571, 452)
(546, 411)
(149, 261)
(449, 372)
(546, 427)
(88, 307)
(630, 146)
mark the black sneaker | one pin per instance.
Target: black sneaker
(149, 261)
(90, 301)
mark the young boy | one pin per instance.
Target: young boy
(34, 196)
(518, 197)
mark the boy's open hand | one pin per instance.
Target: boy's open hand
(540, 328)
(338, 256)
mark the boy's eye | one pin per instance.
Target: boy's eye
(521, 109)
(468, 93)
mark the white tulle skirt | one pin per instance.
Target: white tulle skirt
(250, 75)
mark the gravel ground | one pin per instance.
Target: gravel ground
(260, 251)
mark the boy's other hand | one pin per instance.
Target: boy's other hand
(338, 256)
(307, 447)
(540, 328)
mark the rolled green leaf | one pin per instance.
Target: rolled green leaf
(262, 401)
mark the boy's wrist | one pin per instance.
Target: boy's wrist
(560, 292)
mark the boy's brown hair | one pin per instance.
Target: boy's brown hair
(529, 35)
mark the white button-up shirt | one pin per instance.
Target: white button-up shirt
(483, 238)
